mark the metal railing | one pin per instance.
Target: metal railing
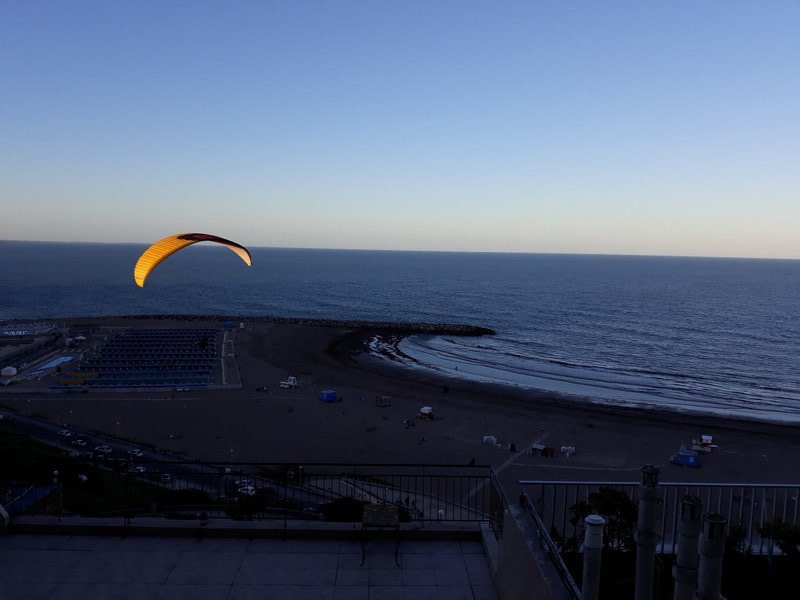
(553, 551)
(747, 506)
(256, 491)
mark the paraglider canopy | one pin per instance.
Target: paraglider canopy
(162, 249)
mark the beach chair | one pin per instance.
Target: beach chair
(380, 517)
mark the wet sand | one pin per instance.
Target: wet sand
(294, 426)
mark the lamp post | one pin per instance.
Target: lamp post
(117, 429)
(171, 444)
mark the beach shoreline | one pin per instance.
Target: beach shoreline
(352, 350)
(277, 425)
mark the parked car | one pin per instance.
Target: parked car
(104, 449)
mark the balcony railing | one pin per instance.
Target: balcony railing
(747, 506)
(256, 491)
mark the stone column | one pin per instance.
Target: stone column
(646, 536)
(712, 547)
(592, 550)
(685, 569)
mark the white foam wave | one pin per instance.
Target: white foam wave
(481, 359)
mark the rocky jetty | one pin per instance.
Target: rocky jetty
(395, 327)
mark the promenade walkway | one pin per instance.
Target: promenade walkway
(84, 566)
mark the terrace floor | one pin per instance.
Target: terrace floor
(85, 566)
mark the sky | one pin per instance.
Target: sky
(537, 126)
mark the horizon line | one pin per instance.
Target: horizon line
(410, 250)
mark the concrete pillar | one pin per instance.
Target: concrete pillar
(685, 569)
(646, 536)
(712, 547)
(592, 549)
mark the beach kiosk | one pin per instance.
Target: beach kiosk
(328, 395)
(705, 444)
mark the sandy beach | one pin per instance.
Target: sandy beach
(279, 425)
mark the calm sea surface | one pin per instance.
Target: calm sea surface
(708, 335)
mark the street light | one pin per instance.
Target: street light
(117, 429)
(171, 444)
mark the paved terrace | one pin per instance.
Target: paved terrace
(87, 566)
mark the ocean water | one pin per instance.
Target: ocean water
(718, 336)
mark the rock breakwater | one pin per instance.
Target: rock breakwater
(395, 327)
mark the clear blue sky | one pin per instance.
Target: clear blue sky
(537, 126)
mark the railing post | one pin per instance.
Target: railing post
(646, 536)
(712, 547)
(592, 551)
(126, 503)
(59, 495)
(422, 519)
(685, 569)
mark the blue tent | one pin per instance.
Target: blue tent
(328, 395)
(686, 458)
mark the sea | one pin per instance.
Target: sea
(711, 336)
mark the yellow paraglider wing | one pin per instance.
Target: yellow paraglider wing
(162, 249)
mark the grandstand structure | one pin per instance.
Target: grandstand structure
(149, 358)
